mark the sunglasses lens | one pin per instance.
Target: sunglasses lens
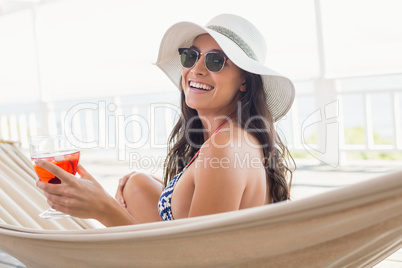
(188, 58)
(214, 61)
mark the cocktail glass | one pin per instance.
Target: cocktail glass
(59, 151)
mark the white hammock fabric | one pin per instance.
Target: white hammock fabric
(20, 200)
(355, 226)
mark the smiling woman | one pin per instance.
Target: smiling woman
(229, 101)
(206, 89)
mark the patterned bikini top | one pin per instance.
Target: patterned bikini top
(164, 204)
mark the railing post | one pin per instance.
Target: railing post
(43, 128)
(368, 121)
(341, 124)
(296, 126)
(397, 121)
(326, 93)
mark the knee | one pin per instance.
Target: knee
(136, 183)
(141, 194)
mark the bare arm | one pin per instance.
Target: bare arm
(83, 197)
(219, 182)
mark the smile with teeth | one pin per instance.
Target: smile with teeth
(202, 86)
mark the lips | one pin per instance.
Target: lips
(200, 86)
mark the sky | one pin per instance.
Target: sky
(102, 47)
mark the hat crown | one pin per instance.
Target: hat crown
(246, 35)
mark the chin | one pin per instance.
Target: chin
(192, 105)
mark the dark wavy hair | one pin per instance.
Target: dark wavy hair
(255, 118)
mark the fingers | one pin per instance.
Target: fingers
(60, 204)
(61, 174)
(119, 193)
(84, 173)
(48, 188)
(53, 199)
(56, 206)
(81, 170)
(123, 181)
(67, 179)
(53, 194)
(121, 201)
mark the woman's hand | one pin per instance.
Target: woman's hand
(119, 193)
(80, 197)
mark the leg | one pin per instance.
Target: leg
(141, 194)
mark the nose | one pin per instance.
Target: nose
(199, 68)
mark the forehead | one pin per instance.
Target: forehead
(205, 42)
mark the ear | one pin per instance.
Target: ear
(243, 87)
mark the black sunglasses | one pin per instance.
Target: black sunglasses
(214, 60)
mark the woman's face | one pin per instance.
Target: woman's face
(210, 92)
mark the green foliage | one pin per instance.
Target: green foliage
(355, 136)
(373, 155)
(301, 155)
(312, 139)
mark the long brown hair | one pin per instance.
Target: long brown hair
(183, 144)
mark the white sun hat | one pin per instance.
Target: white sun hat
(242, 43)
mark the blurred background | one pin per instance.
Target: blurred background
(85, 67)
(343, 56)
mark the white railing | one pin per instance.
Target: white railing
(102, 121)
(391, 110)
(148, 119)
(395, 115)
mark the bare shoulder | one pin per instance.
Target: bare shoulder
(233, 139)
(232, 150)
(224, 178)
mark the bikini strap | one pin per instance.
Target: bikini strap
(196, 154)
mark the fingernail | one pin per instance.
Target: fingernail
(39, 183)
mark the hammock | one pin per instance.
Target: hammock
(355, 226)
(20, 200)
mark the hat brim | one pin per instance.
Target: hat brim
(279, 90)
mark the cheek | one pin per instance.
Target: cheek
(228, 83)
(184, 73)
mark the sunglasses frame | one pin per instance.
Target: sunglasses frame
(199, 54)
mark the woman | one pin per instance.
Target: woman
(224, 153)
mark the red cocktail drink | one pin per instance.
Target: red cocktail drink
(67, 160)
(59, 151)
